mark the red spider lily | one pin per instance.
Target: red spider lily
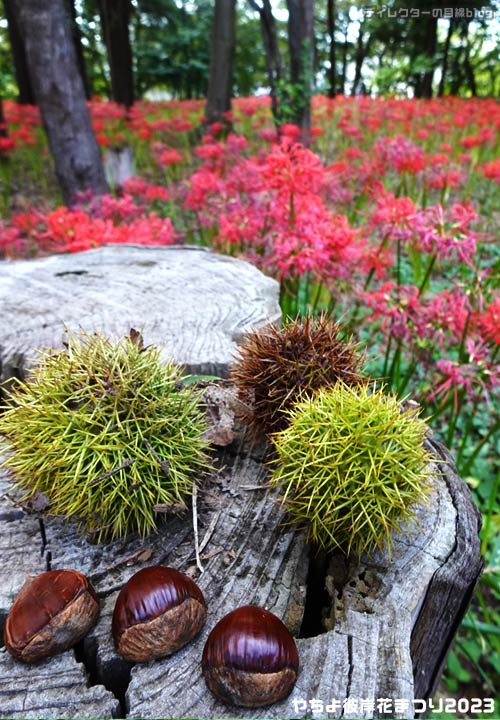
(446, 232)
(12, 242)
(401, 153)
(210, 150)
(491, 170)
(292, 168)
(456, 378)
(489, 321)
(289, 131)
(144, 190)
(7, 144)
(170, 156)
(395, 216)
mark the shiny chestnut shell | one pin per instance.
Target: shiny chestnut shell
(156, 613)
(250, 658)
(52, 612)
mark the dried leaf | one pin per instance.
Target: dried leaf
(136, 338)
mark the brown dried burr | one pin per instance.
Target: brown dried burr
(250, 658)
(276, 367)
(158, 611)
(52, 612)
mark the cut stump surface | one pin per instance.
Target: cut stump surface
(390, 624)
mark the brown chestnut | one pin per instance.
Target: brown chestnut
(52, 612)
(250, 658)
(157, 612)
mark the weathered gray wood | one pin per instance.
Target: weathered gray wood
(451, 587)
(193, 303)
(55, 688)
(380, 618)
(251, 558)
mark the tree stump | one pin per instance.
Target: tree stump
(371, 636)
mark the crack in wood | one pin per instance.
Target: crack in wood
(350, 662)
(114, 674)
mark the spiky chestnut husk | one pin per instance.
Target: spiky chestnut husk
(275, 368)
(353, 467)
(105, 431)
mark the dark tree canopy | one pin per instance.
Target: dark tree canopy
(127, 48)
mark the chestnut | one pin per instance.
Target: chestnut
(250, 658)
(157, 612)
(52, 612)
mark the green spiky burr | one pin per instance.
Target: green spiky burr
(352, 467)
(105, 431)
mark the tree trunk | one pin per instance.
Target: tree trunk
(469, 70)
(271, 49)
(25, 90)
(457, 74)
(345, 48)
(362, 51)
(3, 124)
(332, 73)
(430, 51)
(58, 87)
(446, 54)
(301, 44)
(115, 16)
(77, 39)
(221, 61)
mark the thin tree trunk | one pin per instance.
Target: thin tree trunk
(221, 61)
(469, 70)
(77, 39)
(345, 48)
(446, 54)
(362, 51)
(99, 67)
(3, 124)
(58, 87)
(430, 51)
(271, 49)
(24, 87)
(456, 75)
(332, 73)
(301, 45)
(115, 17)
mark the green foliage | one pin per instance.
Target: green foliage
(170, 47)
(106, 432)
(249, 71)
(352, 466)
(7, 80)
(295, 97)
(291, 101)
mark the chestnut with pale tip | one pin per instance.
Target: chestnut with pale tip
(250, 658)
(52, 612)
(157, 612)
